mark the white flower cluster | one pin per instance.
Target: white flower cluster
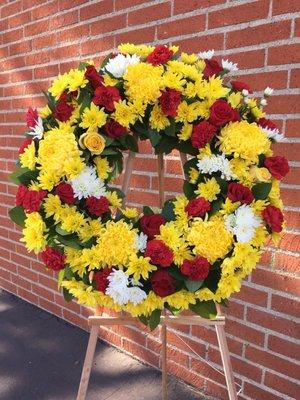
(120, 292)
(229, 66)
(141, 242)
(243, 223)
(88, 184)
(37, 131)
(206, 55)
(274, 134)
(117, 66)
(215, 163)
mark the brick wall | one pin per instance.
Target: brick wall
(40, 39)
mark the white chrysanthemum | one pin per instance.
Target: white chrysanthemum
(118, 279)
(274, 134)
(88, 184)
(206, 55)
(37, 131)
(120, 292)
(245, 93)
(268, 91)
(243, 223)
(215, 163)
(263, 102)
(117, 66)
(141, 242)
(136, 295)
(229, 66)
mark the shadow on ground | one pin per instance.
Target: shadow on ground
(41, 359)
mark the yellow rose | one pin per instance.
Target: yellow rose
(260, 174)
(92, 141)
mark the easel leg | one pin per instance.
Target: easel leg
(226, 362)
(164, 361)
(87, 366)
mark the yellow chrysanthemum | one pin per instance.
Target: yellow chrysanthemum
(260, 236)
(228, 207)
(240, 168)
(114, 199)
(125, 114)
(173, 80)
(93, 117)
(209, 189)
(34, 233)
(214, 88)
(189, 58)
(158, 119)
(147, 306)
(73, 220)
(259, 174)
(139, 267)
(130, 212)
(170, 235)
(186, 132)
(204, 294)
(109, 81)
(255, 110)
(59, 85)
(51, 205)
(193, 175)
(45, 112)
(76, 79)
(181, 300)
(234, 99)
(141, 50)
(187, 112)
(274, 195)
(28, 158)
(102, 167)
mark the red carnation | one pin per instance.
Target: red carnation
(31, 117)
(212, 67)
(197, 207)
(96, 206)
(113, 129)
(106, 96)
(221, 112)
(21, 192)
(240, 86)
(63, 111)
(278, 166)
(33, 199)
(25, 144)
(197, 269)
(101, 279)
(65, 192)
(202, 134)
(160, 55)
(163, 284)
(150, 224)
(169, 101)
(266, 123)
(93, 76)
(53, 259)
(273, 217)
(159, 253)
(239, 192)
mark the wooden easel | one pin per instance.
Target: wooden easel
(99, 320)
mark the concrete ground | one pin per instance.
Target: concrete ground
(41, 359)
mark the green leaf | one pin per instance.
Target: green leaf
(187, 148)
(70, 242)
(24, 176)
(188, 189)
(83, 65)
(144, 320)
(192, 286)
(192, 163)
(86, 101)
(171, 129)
(154, 319)
(166, 145)
(261, 190)
(109, 152)
(61, 232)
(50, 99)
(215, 206)
(131, 143)
(168, 211)
(60, 277)
(147, 210)
(206, 309)
(67, 295)
(108, 141)
(17, 215)
(154, 137)
(174, 271)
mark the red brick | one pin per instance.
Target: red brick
(295, 78)
(245, 332)
(122, 4)
(259, 34)
(235, 309)
(275, 281)
(170, 184)
(297, 27)
(287, 104)
(21, 47)
(186, 374)
(75, 319)
(287, 54)
(65, 19)
(28, 296)
(216, 390)
(11, 9)
(108, 24)
(181, 27)
(290, 197)
(287, 263)
(186, 344)
(292, 177)
(132, 334)
(285, 305)
(45, 10)
(42, 292)
(282, 385)
(158, 11)
(74, 33)
(259, 81)
(256, 392)
(110, 337)
(140, 352)
(50, 307)
(192, 5)
(292, 128)
(202, 43)
(96, 9)
(65, 5)
(287, 6)
(252, 295)
(248, 59)
(96, 45)
(283, 346)
(36, 28)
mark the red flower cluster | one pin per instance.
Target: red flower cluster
(160, 55)
(196, 269)
(93, 76)
(202, 134)
(239, 192)
(101, 279)
(197, 207)
(266, 123)
(96, 206)
(65, 192)
(106, 96)
(31, 117)
(221, 113)
(163, 284)
(53, 259)
(30, 199)
(237, 85)
(150, 224)
(113, 129)
(278, 166)
(63, 110)
(212, 67)
(159, 253)
(169, 102)
(23, 146)
(273, 217)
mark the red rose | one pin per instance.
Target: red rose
(159, 253)
(25, 144)
(101, 279)
(96, 206)
(266, 123)
(163, 284)
(169, 101)
(278, 166)
(273, 217)
(197, 207)
(240, 86)
(21, 192)
(160, 55)
(239, 192)
(197, 269)
(65, 192)
(150, 224)
(63, 111)
(212, 67)
(53, 259)
(202, 134)
(221, 112)
(113, 129)
(33, 199)
(106, 96)
(93, 76)
(31, 117)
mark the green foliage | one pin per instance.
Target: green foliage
(154, 319)
(17, 215)
(23, 176)
(206, 309)
(261, 190)
(168, 211)
(147, 210)
(188, 189)
(67, 295)
(192, 286)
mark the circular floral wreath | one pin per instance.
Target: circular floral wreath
(194, 251)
